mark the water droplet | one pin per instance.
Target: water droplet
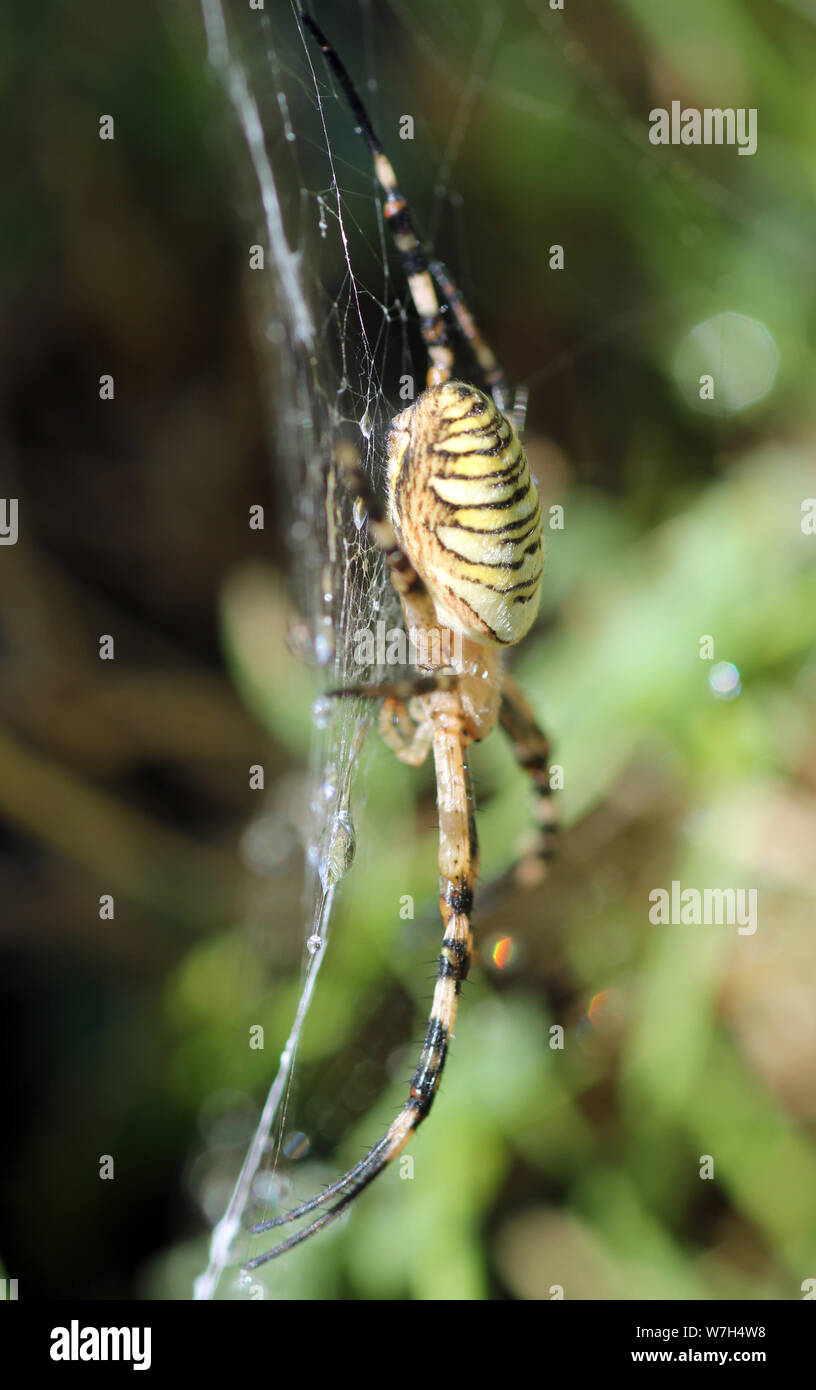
(359, 513)
(328, 787)
(270, 1188)
(314, 944)
(243, 1279)
(322, 711)
(366, 424)
(724, 680)
(339, 849)
(323, 648)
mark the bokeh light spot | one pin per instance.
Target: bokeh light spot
(724, 680)
(596, 1007)
(737, 352)
(503, 953)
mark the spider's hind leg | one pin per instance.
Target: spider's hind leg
(532, 751)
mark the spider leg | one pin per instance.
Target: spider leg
(458, 864)
(409, 740)
(409, 737)
(492, 371)
(398, 216)
(333, 1190)
(414, 597)
(400, 691)
(519, 412)
(532, 750)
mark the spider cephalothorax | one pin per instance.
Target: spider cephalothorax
(463, 544)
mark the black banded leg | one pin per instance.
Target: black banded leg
(458, 867)
(414, 597)
(532, 751)
(458, 864)
(492, 371)
(399, 219)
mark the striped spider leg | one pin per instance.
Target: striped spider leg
(443, 725)
(463, 545)
(492, 370)
(531, 749)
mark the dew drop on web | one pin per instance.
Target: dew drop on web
(338, 850)
(322, 712)
(323, 650)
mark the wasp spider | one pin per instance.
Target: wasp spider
(463, 543)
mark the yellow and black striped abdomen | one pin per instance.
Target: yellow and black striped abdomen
(467, 511)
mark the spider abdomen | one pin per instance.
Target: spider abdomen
(467, 511)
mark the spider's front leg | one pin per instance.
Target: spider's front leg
(458, 867)
(458, 864)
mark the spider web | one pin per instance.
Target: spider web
(337, 333)
(325, 353)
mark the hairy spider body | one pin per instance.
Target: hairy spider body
(462, 539)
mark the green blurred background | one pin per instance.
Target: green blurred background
(578, 1167)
